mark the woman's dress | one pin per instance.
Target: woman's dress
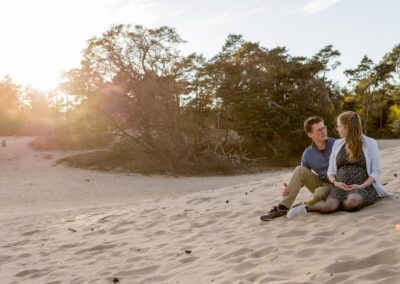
(352, 173)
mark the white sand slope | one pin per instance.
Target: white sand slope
(212, 236)
(30, 184)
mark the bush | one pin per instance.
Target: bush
(70, 142)
(142, 162)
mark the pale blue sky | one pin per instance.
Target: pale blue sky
(42, 37)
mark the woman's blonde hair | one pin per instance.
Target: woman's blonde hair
(353, 133)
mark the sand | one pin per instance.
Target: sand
(65, 225)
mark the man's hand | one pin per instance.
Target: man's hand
(286, 190)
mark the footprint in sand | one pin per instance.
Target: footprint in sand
(30, 233)
(387, 256)
(33, 273)
(262, 252)
(236, 253)
(98, 248)
(119, 232)
(24, 255)
(189, 259)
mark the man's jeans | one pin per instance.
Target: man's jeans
(305, 177)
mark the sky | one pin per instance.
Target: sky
(41, 38)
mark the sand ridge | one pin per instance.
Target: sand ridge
(212, 236)
(31, 184)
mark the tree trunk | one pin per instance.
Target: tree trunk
(366, 118)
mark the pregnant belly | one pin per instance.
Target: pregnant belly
(352, 174)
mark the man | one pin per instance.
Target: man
(316, 158)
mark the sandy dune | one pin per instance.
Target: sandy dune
(208, 236)
(29, 183)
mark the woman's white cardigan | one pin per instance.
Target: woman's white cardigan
(372, 158)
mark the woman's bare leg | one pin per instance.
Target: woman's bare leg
(353, 202)
(330, 205)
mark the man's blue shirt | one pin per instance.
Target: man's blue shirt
(317, 160)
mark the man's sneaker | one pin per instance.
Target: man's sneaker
(274, 213)
(297, 211)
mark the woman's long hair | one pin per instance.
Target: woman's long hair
(353, 129)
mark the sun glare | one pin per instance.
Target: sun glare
(45, 82)
(35, 69)
(40, 44)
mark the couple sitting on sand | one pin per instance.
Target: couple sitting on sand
(346, 170)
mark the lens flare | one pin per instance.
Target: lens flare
(398, 226)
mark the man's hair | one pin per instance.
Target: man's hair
(309, 122)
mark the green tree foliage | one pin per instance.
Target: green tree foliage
(184, 113)
(323, 59)
(135, 80)
(373, 89)
(393, 88)
(265, 95)
(139, 91)
(75, 99)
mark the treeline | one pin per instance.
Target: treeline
(189, 114)
(23, 110)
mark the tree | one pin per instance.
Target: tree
(366, 80)
(392, 87)
(323, 59)
(38, 118)
(10, 107)
(265, 95)
(143, 80)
